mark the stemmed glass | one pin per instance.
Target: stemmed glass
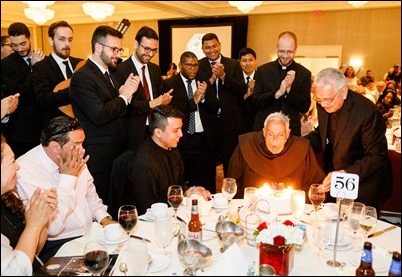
(128, 217)
(321, 235)
(354, 218)
(229, 188)
(191, 261)
(368, 220)
(164, 232)
(96, 257)
(175, 197)
(346, 206)
(298, 203)
(316, 195)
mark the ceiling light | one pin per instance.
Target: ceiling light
(38, 11)
(245, 6)
(357, 4)
(98, 11)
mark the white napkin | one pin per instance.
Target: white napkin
(231, 263)
(203, 206)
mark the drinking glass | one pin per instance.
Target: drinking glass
(128, 217)
(368, 220)
(322, 235)
(137, 258)
(249, 197)
(316, 195)
(96, 257)
(346, 206)
(297, 203)
(175, 197)
(164, 232)
(354, 218)
(191, 261)
(229, 188)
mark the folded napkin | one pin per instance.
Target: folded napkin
(231, 263)
(203, 206)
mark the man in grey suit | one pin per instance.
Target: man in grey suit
(100, 104)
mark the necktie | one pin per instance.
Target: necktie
(29, 63)
(191, 123)
(248, 79)
(212, 64)
(108, 77)
(69, 73)
(145, 84)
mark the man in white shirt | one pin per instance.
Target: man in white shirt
(59, 162)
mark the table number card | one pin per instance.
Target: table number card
(344, 185)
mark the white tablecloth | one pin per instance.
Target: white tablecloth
(305, 261)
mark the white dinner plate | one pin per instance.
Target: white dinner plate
(150, 216)
(106, 241)
(159, 263)
(381, 261)
(208, 230)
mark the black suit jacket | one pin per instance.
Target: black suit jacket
(97, 105)
(138, 110)
(46, 75)
(26, 122)
(267, 81)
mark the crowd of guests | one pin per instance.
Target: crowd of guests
(131, 133)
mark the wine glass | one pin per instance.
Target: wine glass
(96, 257)
(128, 217)
(229, 188)
(368, 220)
(321, 235)
(298, 203)
(354, 218)
(316, 195)
(346, 206)
(164, 232)
(175, 197)
(191, 261)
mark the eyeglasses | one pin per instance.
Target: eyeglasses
(326, 101)
(72, 126)
(116, 50)
(148, 49)
(192, 65)
(287, 52)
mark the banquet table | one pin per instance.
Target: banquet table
(306, 262)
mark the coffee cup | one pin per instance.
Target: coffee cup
(159, 210)
(113, 232)
(219, 200)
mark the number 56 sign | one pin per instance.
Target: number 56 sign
(344, 185)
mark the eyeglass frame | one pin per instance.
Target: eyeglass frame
(149, 49)
(288, 52)
(327, 101)
(116, 50)
(192, 65)
(72, 126)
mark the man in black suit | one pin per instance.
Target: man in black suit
(24, 126)
(199, 105)
(149, 94)
(225, 76)
(53, 69)
(282, 85)
(351, 135)
(100, 104)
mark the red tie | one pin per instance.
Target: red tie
(145, 84)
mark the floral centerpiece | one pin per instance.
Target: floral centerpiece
(276, 241)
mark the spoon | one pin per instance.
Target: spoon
(123, 268)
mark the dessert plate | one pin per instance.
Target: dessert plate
(159, 263)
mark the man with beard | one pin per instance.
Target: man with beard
(25, 124)
(53, 69)
(100, 104)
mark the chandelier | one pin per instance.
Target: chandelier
(38, 11)
(245, 6)
(98, 11)
(357, 4)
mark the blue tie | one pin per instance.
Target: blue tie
(191, 123)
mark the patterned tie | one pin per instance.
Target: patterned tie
(29, 63)
(69, 73)
(191, 123)
(248, 80)
(145, 84)
(108, 77)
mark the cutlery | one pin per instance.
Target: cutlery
(382, 231)
(123, 268)
(140, 238)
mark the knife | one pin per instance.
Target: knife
(140, 238)
(382, 231)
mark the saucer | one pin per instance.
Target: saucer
(345, 241)
(219, 207)
(106, 241)
(150, 216)
(159, 263)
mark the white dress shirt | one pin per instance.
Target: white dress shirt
(14, 262)
(78, 202)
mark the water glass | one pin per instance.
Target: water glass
(164, 232)
(137, 258)
(298, 203)
(250, 197)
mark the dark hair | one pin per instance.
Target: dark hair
(187, 54)
(147, 32)
(58, 129)
(290, 34)
(4, 40)
(53, 27)
(18, 29)
(209, 36)
(160, 115)
(244, 51)
(172, 65)
(101, 33)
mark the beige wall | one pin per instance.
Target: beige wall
(374, 35)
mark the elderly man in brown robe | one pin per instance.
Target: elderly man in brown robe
(274, 156)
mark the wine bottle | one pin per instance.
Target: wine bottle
(195, 226)
(395, 268)
(366, 263)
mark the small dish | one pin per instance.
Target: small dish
(220, 207)
(150, 216)
(158, 263)
(106, 241)
(345, 241)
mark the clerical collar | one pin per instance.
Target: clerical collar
(284, 67)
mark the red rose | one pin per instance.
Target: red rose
(279, 241)
(288, 223)
(262, 226)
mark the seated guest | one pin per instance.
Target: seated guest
(23, 230)
(385, 104)
(58, 162)
(274, 156)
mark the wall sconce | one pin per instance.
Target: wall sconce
(245, 6)
(98, 11)
(357, 4)
(357, 64)
(38, 11)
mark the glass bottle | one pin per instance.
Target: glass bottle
(366, 264)
(195, 226)
(395, 268)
